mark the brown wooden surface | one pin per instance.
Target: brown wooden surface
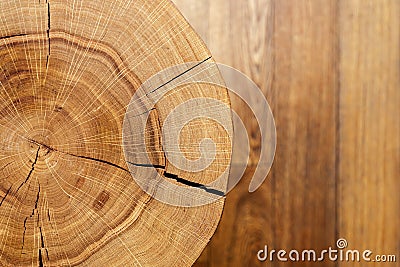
(330, 71)
(68, 70)
(369, 148)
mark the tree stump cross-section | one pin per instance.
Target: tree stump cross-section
(68, 70)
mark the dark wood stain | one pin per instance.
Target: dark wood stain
(101, 200)
(80, 182)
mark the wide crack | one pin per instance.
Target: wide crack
(48, 33)
(181, 180)
(8, 191)
(32, 169)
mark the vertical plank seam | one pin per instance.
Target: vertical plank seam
(273, 80)
(337, 118)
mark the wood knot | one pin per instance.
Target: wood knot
(58, 109)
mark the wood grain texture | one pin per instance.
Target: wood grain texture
(330, 71)
(68, 70)
(369, 168)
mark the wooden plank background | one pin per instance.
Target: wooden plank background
(331, 73)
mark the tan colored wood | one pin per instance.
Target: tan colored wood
(68, 70)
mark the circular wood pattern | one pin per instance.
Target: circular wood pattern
(68, 72)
